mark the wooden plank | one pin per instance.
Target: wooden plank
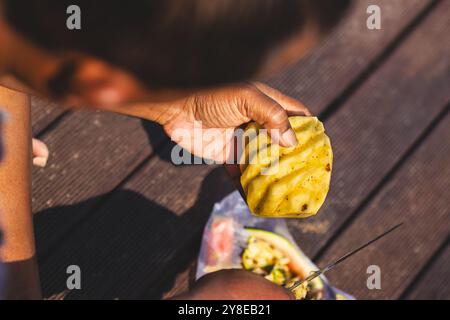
(353, 47)
(43, 113)
(167, 189)
(414, 196)
(404, 14)
(134, 239)
(366, 45)
(306, 79)
(318, 79)
(434, 284)
(181, 282)
(90, 154)
(379, 123)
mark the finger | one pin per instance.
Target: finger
(293, 106)
(272, 116)
(40, 153)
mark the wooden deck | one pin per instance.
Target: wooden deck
(111, 202)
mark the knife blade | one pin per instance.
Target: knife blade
(334, 264)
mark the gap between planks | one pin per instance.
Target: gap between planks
(386, 179)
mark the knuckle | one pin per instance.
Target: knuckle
(248, 90)
(247, 95)
(278, 115)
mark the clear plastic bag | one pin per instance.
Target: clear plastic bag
(226, 235)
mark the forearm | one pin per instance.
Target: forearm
(17, 247)
(159, 112)
(15, 178)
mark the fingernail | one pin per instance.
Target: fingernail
(288, 139)
(40, 162)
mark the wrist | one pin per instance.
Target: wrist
(161, 113)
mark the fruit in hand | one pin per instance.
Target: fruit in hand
(287, 182)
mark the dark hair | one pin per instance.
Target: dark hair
(173, 43)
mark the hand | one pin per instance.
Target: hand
(235, 285)
(220, 111)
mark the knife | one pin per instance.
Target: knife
(315, 274)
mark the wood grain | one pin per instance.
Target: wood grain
(43, 113)
(91, 152)
(414, 196)
(434, 284)
(148, 229)
(143, 235)
(321, 77)
(379, 123)
(50, 190)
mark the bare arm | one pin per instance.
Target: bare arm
(17, 249)
(235, 285)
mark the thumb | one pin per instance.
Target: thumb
(272, 116)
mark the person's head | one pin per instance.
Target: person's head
(146, 49)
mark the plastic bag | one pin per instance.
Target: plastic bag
(226, 236)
